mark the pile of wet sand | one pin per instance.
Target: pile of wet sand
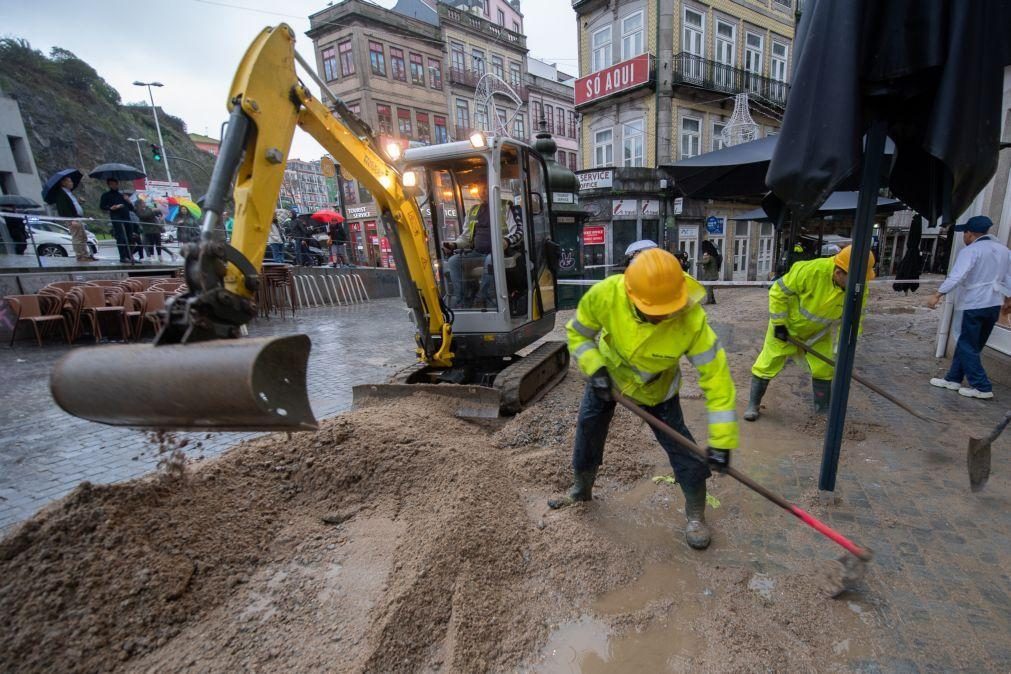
(396, 538)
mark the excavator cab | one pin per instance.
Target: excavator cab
(470, 232)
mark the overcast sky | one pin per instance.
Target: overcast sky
(193, 46)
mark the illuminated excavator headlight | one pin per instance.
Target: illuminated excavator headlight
(393, 151)
(478, 140)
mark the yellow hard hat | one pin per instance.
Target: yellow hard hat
(655, 283)
(842, 260)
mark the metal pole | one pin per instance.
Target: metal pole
(140, 155)
(855, 286)
(157, 126)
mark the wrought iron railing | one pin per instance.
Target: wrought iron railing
(470, 78)
(701, 72)
(487, 28)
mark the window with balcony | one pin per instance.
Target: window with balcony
(780, 57)
(377, 58)
(572, 124)
(397, 66)
(435, 73)
(601, 42)
(329, 64)
(347, 58)
(537, 111)
(515, 76)
(691, 137)
(481, 117)
(417, 69)
(516, 27)
(754, 46)
(602, 149)
(477, 61)
(498, 66)
(462, 117)
(385, 116)
(718, 143)
(404, 123)
(520, 127)
(424, 128)
(458, 59)
(693, 39)
(726, 54)
(631, 36)
(631, 143)
(441, 133)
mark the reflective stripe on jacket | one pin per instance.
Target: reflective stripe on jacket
(643, 359)
(807, 300)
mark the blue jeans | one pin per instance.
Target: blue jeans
(977, 324)
(591, 433)
(455, 270)
(276, 251)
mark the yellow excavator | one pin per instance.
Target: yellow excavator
(471, 233)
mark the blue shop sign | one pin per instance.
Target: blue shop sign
(714, 225)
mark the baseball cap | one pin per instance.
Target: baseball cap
(977, 223)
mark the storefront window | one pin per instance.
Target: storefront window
(623, 232)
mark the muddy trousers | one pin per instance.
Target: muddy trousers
(595, 418)
(772, 359)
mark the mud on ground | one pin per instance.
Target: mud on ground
(401, 538)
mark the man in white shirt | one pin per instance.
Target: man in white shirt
(982, 276)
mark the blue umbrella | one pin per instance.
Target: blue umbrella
(49, 189)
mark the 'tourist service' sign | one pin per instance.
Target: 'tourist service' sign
(620, 77)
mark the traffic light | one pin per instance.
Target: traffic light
(156, 152)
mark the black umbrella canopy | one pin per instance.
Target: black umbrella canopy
(17, 201)
(116, 172)
(838, 203)
(931, 69)
(53, 183)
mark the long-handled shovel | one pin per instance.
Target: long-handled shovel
(979, 455)
(850, 569)
(872, 386)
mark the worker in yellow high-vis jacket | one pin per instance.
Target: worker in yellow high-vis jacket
(630, 332)
(806, 304)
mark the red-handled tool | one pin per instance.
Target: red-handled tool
(852, 569)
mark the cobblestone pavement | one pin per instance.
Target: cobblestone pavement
(45, 452)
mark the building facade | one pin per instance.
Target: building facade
(206, 143)
(304, 186)
(552, 107)
(18, 173)
(659, 82)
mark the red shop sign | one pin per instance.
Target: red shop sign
(593, 236)
(621, 77)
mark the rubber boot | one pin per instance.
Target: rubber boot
(582, 490)
(696, 531)
(758, 387)
(822, 394)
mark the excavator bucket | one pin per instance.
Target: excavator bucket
(473, 402)
(223, 385)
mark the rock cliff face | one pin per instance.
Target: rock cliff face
(76, 119)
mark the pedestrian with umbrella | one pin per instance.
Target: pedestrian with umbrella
(117, 204)
(59, 190)
(337, 235)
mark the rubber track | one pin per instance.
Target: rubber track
(543, 368)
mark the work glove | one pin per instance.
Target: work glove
(600, 384)
(780, 332)
(718, 459)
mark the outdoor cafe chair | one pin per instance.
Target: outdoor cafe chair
(38, 310)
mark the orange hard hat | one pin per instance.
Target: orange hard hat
(655, 283)
(842, 260)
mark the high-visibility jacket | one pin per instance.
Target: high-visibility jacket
(643, 359)
(808, 301)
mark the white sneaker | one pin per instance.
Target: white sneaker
(973, 393)
(944, 383)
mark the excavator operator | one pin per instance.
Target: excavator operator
(630, 332)
(474, 243)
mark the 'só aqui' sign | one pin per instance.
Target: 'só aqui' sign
(620, 77)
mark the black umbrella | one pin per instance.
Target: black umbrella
(17, 201)
(838, 203)
(116, 172)
(49, 189)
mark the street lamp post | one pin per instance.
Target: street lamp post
(157, 126)
(139, 153)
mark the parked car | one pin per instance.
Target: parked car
(53, 239)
